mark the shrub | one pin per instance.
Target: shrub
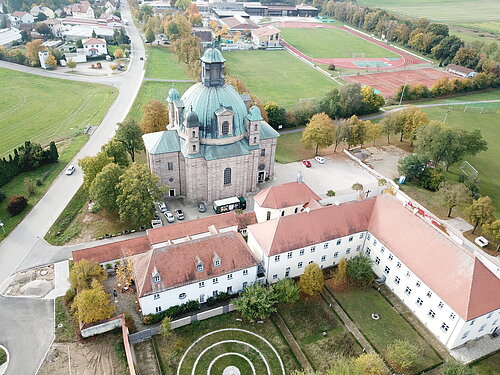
(401, 355)
(359, 270)
(39, 182)
(70, 296)
(431, 179)
(172, 312)
(331, 67)
(211, 301)
(16, 205)
(330, 193)
(2, 196)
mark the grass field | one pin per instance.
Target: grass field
(277, 76)
(329, 43)
(172, 348)
(162, 63)
(67, 332)
(43, 109)
(484, 95)
(360, 303)
(488, 366)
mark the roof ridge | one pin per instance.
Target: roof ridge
(469, 294)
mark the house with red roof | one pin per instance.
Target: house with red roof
(95, 46)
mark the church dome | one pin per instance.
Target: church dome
(173, 94)
(192, 119)
(212, 55)
(205, 101)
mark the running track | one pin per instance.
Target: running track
(405, 58)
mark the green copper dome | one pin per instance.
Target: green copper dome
(205, 101)
(254, 113)
(173, 94)
(192, 119)
(212, 55)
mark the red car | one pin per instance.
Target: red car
(307, 163)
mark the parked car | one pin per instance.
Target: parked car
(179, 214)
(320, 159)
(168, 215)
(202, 207)
(307, 163)
(163, 207)
(70, 170)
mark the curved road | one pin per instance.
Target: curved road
(26, 324)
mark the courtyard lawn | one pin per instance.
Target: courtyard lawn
(329, 43)
(44, 109)
(67, 331)
(488, 366)
(487, 162)
(153, 90)
(277, 76)
(171, 349)
(162, 63)
(307, 319)
(360, 303)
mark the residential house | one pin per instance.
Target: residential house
(238, 23)
(55, 26)
(267, 36)
(83, 9)
(18, 18)
(95, 47)
(35, 10)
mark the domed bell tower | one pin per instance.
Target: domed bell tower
(173, 96)
(212, 68)
(192, 125)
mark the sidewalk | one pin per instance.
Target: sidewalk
(61, 280)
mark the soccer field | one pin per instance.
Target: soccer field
(330, 43)
(43, 109)
(277, 76)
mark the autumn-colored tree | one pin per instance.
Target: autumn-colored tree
(71, 64)
(92, 305)
(374, 131)
(51, 61)
(480, 212)
(84, 272)
(312, 280)
(355, 133)
(372, 100)
(155, 117)
(182, 4)
(452, 195)
(407, 121)
(124, 272)
(402, 355)
(195, 19)
(319, 132)
(91, 166)
(493, 230)
(166, 327)
(372, 364)
(118, 54)
(32, 49)
(113, 67)
(340, 278)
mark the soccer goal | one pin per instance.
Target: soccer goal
(358, 55)
(468, 169)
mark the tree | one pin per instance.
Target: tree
(182, 4)
(91, 166)
(166, 327)
(341, 129)
(41, 17)
(84, 272)
(275, 114)
(79, 43)
(493, 230)
(43, 29)
(350, 100)
(330, 104)
(371, 363)
(330, 193)
(155, 117)
(118, 54)
(104, 189)
(355, 132)
(256, 302)
(454, 367)
(319, 132)
(286, 291)
(29, 186)
(402, 355)
(130, 134)
(138, 190)
(16, 204)
(452, 195)
(94, 35)
(116, 151)
(413, 166)
(150, 36)
(51, 62)
(359, 270)
(32, 49)
(480, 212)
(374, 131)
(312, 281)
(407, 121)
(340, 278)
(71, 64)
(372, 100)
(357, 187)
(92, 305)
(125, 273)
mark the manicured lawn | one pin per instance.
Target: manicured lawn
(485, 95)
(151, 90)
(488, 366)
(277, 76)
(290, 148)
(329, 43)
(487, 162)
(67, 332)
(360, 303)
(47, 173)
(162, 63)
(307, 319)
(43, 109)
(172, 348)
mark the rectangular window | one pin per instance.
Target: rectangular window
(418, 284)
(375, 242)
(170, 166)
(397, 280)
(158, 309)
(429, 294)
(289, 255)
(482, 327)
(465, 335)
(358, 248)
(275, 276)
(368, 237)
(452, 316)
(431, 313)
(387, 270)
(408, 274)
(445, 327)
(313, 249)
(230, 276)
(361, 235)
(201, 284)
(382, 250)
(262, 152)
(391, 257)
(245, 283)
(325, 246)
(335, 255)
(377, 260)
(229, 289)
(339, 242)
(348, 250)
(367, 252)
(489, 315)
(419, 301)
(302, 251)
(215, 280)
(156, 296)
(351, 238)
(408, 290)
(471, 322)
(440, 305)
(245, 272)
(299, 265)
(398, 265)
(276, 258)
(323, 258)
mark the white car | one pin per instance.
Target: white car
(70, 170)
(320, 159)
(168, 215)
(163, 206)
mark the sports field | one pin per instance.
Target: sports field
(43, 109)
(277, 76)
(332, 42)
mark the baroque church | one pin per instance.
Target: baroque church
(217, 144)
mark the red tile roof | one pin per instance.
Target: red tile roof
(176, 264)
(308, 228)
(264, 31)
(113, 251)
(285, 195)
(94, 41)
(18, 13)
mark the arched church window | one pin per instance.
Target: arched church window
(194, 148)
(254, 140)
(225, 128)
(194, 134)
(256, 127)
(227, 176)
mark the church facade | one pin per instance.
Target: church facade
(217, 144)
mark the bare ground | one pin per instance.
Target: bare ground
(384, 159)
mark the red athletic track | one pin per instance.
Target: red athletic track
(405, 60)
(389, 82)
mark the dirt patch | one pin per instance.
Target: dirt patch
(36, 282)
(95, 355)
(384, 159)
(147, 363)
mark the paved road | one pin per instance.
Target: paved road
(26, 325)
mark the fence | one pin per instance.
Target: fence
(97, 329)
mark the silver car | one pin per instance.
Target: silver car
(168, 215)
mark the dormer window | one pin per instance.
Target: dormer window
(199, 264)
(216, 260)
(225, 128)
(156, 278)
(199, 267)
(217, 263)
